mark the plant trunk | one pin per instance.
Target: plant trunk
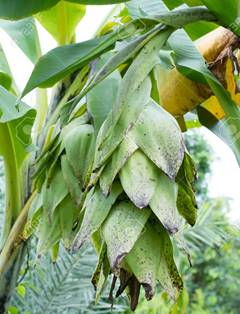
(9, 277)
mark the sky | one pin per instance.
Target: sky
(226, 173)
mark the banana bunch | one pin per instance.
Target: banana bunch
(128, 187)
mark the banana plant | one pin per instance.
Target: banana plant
(105, 159)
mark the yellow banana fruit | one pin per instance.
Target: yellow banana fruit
(180, 95)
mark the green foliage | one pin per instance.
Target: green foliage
(24, 34)
(62, 287)
(17, 9)
(16, 122)
(61, 20)
(227, 17)
(203, 157)
(50, 69)
(215, 274)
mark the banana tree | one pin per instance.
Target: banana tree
(105, 159)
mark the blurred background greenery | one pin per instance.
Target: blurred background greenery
(211, 284)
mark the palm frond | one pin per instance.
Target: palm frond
(64, 287)
(211, 227)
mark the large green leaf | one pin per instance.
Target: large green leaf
(193, 2)
(139, 8)
(17, 9)
(98, 2)
(182, 17)
(172, 4)
(200, 28)
(156, 8)
(16, 121)
(24, 34)
(175, 3)
(61, 61)
(228, 17)
(178, 18)
(61, 20)
(227, 12)
(196, 29)
(15, 126)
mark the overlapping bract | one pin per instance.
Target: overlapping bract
(127, 187)
(144, 190)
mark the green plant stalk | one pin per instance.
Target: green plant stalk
(15, 238)
(14, 202)
(12, 257)
(13, 175)
(61, 12)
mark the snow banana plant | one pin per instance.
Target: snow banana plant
(107, 161)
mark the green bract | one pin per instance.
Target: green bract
(125, 182)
